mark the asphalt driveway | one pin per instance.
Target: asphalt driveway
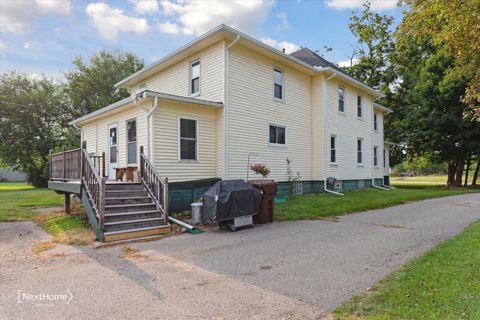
(288, 270)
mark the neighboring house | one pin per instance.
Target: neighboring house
(12, 175)
(201, 110)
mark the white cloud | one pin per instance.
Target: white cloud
(354, 4)
(283, 23)
(197, 17)
(17, 16)
(31, 45)
(145, 6)
(169, 27)
(109, 21)
(280, 45)
(3, 46)
(347, 63)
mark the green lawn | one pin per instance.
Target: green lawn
(17, 199)
(327, 205)
(434, 181)
(443, 284)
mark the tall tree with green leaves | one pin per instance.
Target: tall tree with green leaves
(374, 44)
(33, 120)
(454, 26)
(92, 80)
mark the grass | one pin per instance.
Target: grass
(18, 201)
(419, 182)
(442, 284)
(320, 206)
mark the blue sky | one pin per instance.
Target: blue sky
(42, 36)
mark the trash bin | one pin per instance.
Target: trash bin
(267, 208)
(196, 212)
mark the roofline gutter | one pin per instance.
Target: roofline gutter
(324, 112)
(225, 104)
(374, 92)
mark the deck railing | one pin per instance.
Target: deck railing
(94, 186)
(155, 185)
(65, 165)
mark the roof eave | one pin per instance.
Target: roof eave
(374, 92)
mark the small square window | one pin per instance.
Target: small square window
(277, 135)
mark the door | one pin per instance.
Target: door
(112, 151)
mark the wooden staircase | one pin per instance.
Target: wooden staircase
(116, 210)
(131, 212)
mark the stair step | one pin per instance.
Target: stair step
(120, 214)
(107, 224)
(135, 233)
(129, 207)
(127, 200)
(122, 193)
(124, 186)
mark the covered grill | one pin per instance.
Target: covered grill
(230, 199)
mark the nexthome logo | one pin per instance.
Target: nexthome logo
(43, 297)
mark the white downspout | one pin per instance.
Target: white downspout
(225, 108)
(371, 153)
(325, 140)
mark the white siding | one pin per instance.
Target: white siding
(96, 132)
(252, 108)
(175, 79)
(166, 142)
(317, 128)
(348, 128)
(378, 141)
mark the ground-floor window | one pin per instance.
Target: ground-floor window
(359, 151)
(188, 139)
(375, 156)
(277, 134)
(132, 141)
(333, 149)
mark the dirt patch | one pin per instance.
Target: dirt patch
(129, 252)
(48, 209)
(76, 237)
(43, 246)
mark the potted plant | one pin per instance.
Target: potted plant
(260, 169)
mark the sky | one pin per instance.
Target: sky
(43, 36)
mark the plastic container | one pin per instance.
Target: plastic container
(196, 212)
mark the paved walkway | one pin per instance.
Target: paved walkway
(288, 270)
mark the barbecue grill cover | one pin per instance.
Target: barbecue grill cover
(229, 199)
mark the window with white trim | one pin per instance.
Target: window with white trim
(384, 158)
(375, 121)
(359, 151)
(341, 99)
(375, 156)
(359, 106)
(132, 141)
(195, 78)
(333, 149)
(278, 83)
(188, 139)
(277, 135)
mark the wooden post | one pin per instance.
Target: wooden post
(82, 168)
(102, 204)
(66, 204)
(103, 165)
(165, 202)
(64, 148)
(142, 172)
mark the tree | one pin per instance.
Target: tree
(375, 43)
(453, 25)
(93, 81)
(33, 120)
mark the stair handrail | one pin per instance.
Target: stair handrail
(94, 185)
(156, 185)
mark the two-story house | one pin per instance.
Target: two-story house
(202, 110)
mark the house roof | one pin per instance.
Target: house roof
(147, 94)
(223, 32)
(382, 108)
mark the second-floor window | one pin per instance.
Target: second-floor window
(195, 78)
(375, 122)
(359, 106)
(359, 151)
(277, 134)
(333, 149)
(278, 84)
(375, 156)
(341, 99)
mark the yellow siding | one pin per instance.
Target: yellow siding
(378, 141)
(175, 79)
(347, 128)
(166, 142)
(252, 108)
(317, 128)
(96, 132)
